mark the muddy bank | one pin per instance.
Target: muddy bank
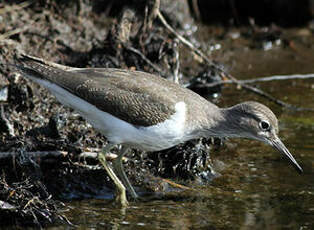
(51, 151)
(47, 151)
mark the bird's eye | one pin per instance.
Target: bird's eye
(264, 125)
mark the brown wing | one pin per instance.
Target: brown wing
(117, 93)
(136, 97)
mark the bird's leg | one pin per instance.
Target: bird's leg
(121, 196)
(117, 165)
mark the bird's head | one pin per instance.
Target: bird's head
(256, 121)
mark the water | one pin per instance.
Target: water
(257, 189)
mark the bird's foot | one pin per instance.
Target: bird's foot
(121, 198)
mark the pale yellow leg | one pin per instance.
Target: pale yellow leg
(118, 167)
(121, 195)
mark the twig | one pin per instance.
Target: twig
(262, 79)
(56, 154)
(153, 14)
(258, 92)
(177, 62)
(264, 94)
(40, 154)
(175, 185)
(185, 41)
(228, 76)
(273, 99)
(156, 68)
(12, 32)
(279, 78)
(16, 7)
(94, 155)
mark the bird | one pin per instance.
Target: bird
(143, 111)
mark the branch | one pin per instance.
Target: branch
(273, 99)
(261, 92)
(155, 67)
(229, 76)
(56, 154)
(153, 14)
(40, 154)
(183, 40)
(279, 78)
(262, 79)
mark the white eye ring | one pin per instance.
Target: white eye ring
(264, 125)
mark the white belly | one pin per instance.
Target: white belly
(152, 138)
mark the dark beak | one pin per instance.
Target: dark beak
(277, 144)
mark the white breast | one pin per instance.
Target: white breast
(166, 134)
(161, 136)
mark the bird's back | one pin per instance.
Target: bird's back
(139, 98)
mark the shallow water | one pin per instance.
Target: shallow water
(257, 189)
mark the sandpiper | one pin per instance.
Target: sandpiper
(143, 111)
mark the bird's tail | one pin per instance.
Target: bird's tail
(28, 66)
(39, 69)
(24, 58)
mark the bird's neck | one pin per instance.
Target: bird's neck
(223, 123)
